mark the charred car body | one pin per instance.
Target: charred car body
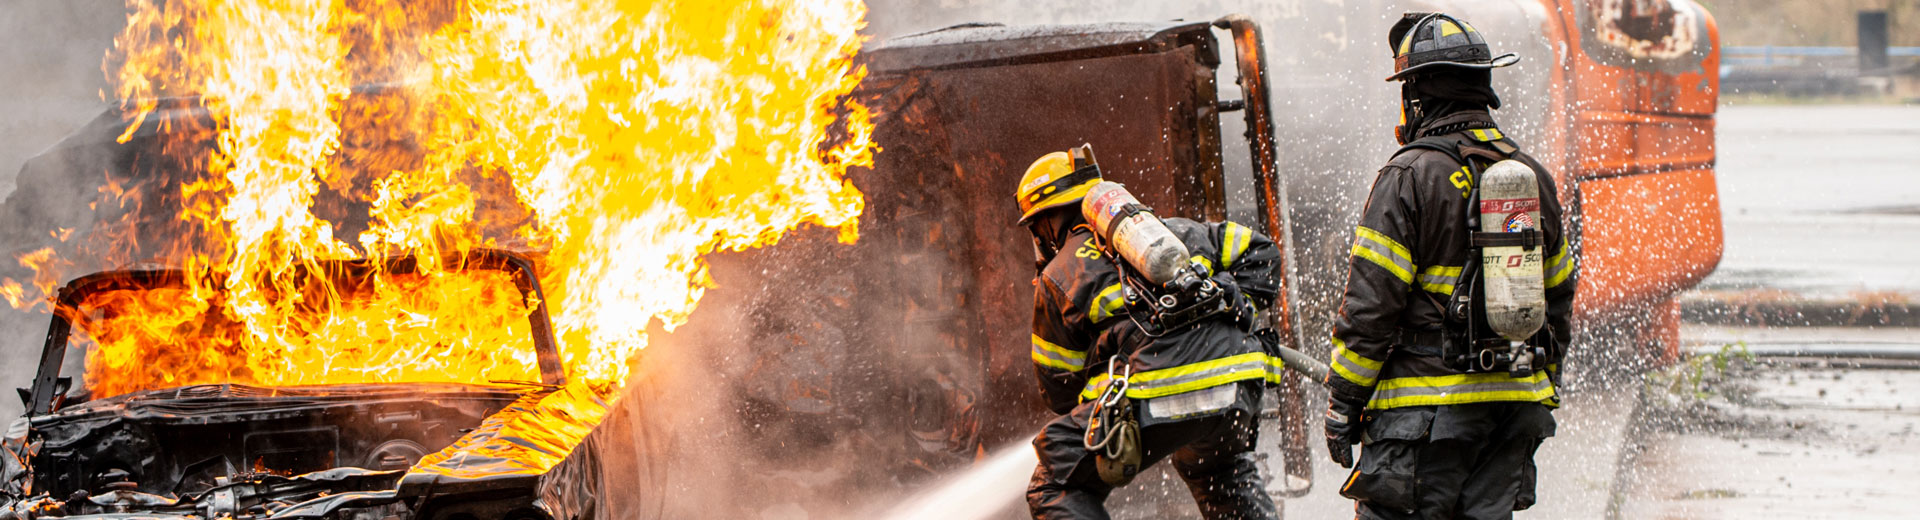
(372, 450)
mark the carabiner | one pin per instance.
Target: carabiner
(1116, 391)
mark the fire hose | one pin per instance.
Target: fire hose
(1298, 361)
(1294, 360)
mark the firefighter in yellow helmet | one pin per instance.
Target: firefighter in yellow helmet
(1448, 404)
(1127, 399)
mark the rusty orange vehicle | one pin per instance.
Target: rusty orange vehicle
(1636, 105)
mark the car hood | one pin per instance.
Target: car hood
(525, 431)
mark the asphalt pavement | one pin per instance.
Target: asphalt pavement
(1820, 423)
(1822, 201)
(1821, 206)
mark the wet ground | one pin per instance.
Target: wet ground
(1793, 434)
(1821, 200)
(1820, 203)
(1800, 435)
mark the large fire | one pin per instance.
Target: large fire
(619, 140)
(460, 327)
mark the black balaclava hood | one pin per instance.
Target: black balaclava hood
(1433, 95)
(1050, 231)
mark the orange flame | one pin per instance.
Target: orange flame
(46, 267)
(646, 134)
(623, 140)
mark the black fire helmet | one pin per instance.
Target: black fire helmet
(1423, 41)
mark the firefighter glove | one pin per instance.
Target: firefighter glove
(1343, 425)
(1244, 312)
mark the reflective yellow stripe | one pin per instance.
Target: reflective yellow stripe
(1448, 28)
(1347, 374)
(1246, 240)
(1048, 354)
(1043, 344)
(1183, 370)
(1558, 267)
(1487, 134)
(1439, 279)
(1383, 251)
(1369, 234)
(1358, 359)
(1204, 262)
(1383, 262)
(1226, 245)
(1276, 369)
(1106, 304)
(1190, 377)
(1462, 389)
(1043, 360)
(1352, 366)
(1095, 385)
(1234, 243)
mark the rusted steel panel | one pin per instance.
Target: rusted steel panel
(965, 135)
(986, 45)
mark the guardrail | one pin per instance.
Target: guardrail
(1769, 50)
(1768, 55)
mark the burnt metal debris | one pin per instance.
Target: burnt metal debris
(241, 451)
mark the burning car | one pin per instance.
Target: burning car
(365, 438)
(256, 149)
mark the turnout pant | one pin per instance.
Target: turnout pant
(1212, 453)
(1469, 461)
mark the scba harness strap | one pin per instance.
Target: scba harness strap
(1488, 146)
(1529, 238)
(1498, 149)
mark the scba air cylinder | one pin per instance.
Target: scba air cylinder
(1134, 232)
(1516, 299)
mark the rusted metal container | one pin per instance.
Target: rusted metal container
(963, 110)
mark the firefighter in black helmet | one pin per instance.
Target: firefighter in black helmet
(1444, 435)
(1127, 399)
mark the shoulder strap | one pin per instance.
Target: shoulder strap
(1489, 142)
(1452, 147)
(1439, 143)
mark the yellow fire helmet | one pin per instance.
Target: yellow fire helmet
(1057, 179)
